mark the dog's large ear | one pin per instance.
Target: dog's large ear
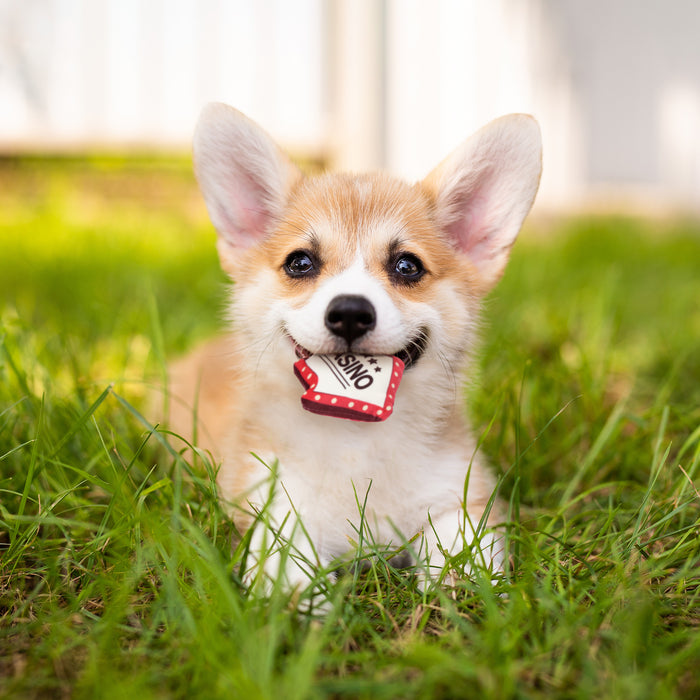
(485, 188)
(244, 176)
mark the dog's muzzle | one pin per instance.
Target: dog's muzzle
(350, 316)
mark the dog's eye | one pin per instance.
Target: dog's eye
(408, 268)
(299, 264)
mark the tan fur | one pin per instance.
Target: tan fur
(201, 390)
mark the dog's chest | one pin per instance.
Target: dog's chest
(337, 473)
(332, 470)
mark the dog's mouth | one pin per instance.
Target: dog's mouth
(409, 355)
(414, 350)
(301, 352)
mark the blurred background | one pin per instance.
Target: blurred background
(585, 392)
(361, 84)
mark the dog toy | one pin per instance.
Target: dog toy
(351, 386)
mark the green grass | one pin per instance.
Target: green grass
(117, 569)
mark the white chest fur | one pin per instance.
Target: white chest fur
(335, 473)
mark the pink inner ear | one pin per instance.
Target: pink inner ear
(486, 188)
(470, 229)
(245, 215)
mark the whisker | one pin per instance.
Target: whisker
(279, 333)
(450, 373)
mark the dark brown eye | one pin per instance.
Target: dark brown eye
(408, 268)
(300, 263)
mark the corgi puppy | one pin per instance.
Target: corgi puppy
(343, 277)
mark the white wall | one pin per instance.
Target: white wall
(449, 66)
(634, 66)
(76, 72)
(370, 83)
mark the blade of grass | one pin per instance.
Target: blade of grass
(604, 437)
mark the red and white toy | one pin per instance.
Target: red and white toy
(355, 387)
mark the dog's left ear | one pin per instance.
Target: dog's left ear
(484, 191)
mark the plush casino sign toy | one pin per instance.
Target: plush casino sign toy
(356, 387)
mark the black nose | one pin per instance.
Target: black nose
(350, 316)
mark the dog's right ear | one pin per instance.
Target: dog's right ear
(244, 176)
(484, 191)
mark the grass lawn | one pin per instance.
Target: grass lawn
(117, 572)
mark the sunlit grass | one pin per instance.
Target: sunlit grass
(118, 568)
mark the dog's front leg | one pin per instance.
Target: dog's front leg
(282, 557)
(280, 553)
(450, 535)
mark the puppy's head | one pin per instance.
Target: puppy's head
(364, 263)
